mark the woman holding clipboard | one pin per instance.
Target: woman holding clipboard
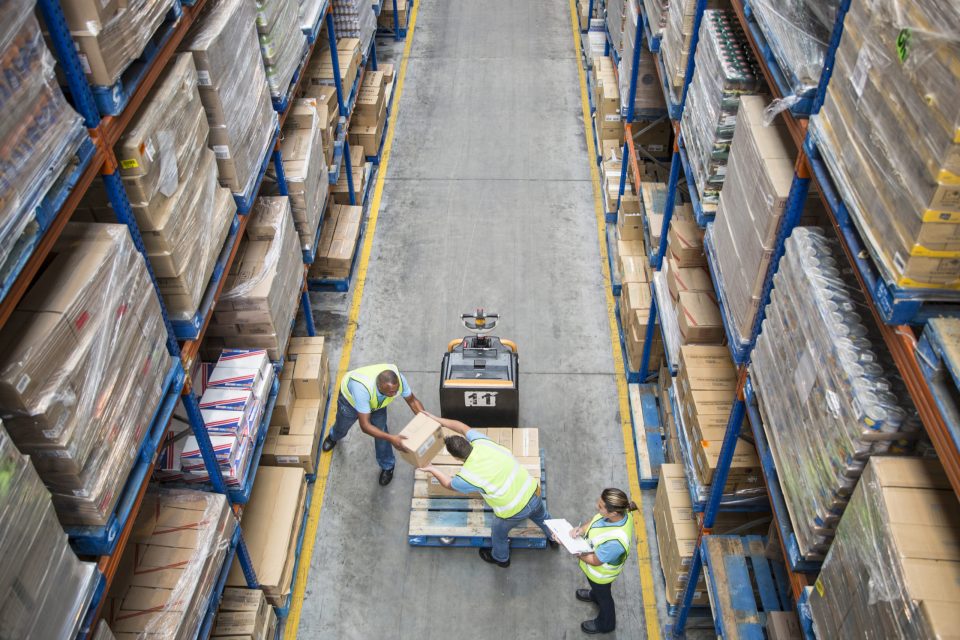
(610, 532)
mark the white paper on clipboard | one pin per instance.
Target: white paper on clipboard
(561, 528)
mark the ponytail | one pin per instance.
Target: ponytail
(617, 501)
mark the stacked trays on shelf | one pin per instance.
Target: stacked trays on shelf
(283, 45)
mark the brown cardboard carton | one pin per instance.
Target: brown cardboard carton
(686, 243)
(308, 374)
(526, 443)
(783, 625)
(690, 279)
(423, 438)
(699, 319)
(502, 436)
(634, 269)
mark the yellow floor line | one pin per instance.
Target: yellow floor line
(316, 504)
(644, 559)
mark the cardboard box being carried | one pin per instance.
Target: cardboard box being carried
(424, 439)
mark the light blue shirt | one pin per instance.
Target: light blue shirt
(458, 483)
(610, 551)
(361, 397)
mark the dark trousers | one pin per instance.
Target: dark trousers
(606, 620)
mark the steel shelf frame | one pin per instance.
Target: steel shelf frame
(104, 132)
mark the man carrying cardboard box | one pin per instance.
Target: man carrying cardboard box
(364, 396)
(503, 483)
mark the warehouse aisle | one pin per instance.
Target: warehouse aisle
(487, 202)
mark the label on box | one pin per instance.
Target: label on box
(288, 459)
(422, 450)
(860, 71)
(129, 164)
(85, 63)
(222, 151)
(203, 78)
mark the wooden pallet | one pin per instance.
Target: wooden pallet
(464, 521)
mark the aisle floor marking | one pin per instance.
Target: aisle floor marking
(316, 504)
(644, 559)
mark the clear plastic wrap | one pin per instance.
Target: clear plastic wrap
(107, 50)
(677, 37)
(234, 90)
(649, 96)
(798, 32)
(305, 170)
(39, 132)
(171, 564)
(355, 19)
(46, 589)
(268, 11)
(829, 398)
(752, 202)
(103, 631)
(888, 133)
(309, 11)
(893, 569)
(725, 69)
(656, 11)
(668, 317)
(84, 360)
(616, 12)
(283, 47)
(260, 298)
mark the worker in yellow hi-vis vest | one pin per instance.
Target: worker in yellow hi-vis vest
(610, 533)
(364, 396)
(491, 470)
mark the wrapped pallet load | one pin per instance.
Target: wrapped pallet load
(170, 177)
(89, 329)
(889, 131)
(47, 589)
(169, 569)
(677, 39)
(648, 99)
(260, 298)
(111, 36)
(355, 19)
(829, 391)
(39, 132)
(282, 43)
(234, 90)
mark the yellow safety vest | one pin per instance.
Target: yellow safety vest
(623, 534)
(367, 376)
(505, 485)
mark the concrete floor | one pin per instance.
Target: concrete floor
(487, 202)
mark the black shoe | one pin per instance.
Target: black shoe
(553, 545)
(487, 556)
(590, 627)
(385, 477)
(329, 444)
(583, 595)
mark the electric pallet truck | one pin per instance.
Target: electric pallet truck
(479, 376)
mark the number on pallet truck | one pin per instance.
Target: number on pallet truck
(474, 399)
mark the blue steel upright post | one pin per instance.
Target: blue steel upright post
(396, 21)
(631, 100)
(334, 60)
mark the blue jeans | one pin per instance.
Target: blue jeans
(347, 416)
(535, 510)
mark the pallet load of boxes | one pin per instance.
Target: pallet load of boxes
(156, 233)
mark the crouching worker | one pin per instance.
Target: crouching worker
(491, 470)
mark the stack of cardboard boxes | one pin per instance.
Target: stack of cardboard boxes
(271, 524)
(89, 328)
(691, 289)
(260, 298)
(635, 301)
(606, 98)
(110, 35)
(170, 566)
(677, 530)
(677, 38)
(358, 166)
(282, 43)
(324, 98)
(297, 423)
(234, 90)
(349, 57)
(370, 113)
(705, 388)
(338, 242)
(648, 95)
(244, 614)
(170, 177)
(386, 18)
(304, 168)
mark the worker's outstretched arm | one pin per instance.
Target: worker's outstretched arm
(368, 428)
(441, 477)
(590, 558)
(453, 425)
(415, 405)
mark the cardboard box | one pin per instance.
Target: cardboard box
(424, 438)
(698, 316)
(308, 375)
(635, 269)
(297, 444)
(271, 523)
(526, 443)
(686, 243)
(783, 625)
(689, 279)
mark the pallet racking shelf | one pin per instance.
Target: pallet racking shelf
(928, 366)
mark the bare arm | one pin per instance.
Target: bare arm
(441, 477)
(368, 428)
(415, 405)
(590, 558)
(453, 425)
